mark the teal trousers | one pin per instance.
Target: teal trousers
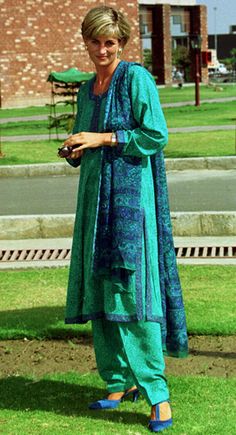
(129, 354)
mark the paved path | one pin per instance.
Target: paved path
(35, 137)
(201, 128)
(192, 103)
(199, 190)
(63, 136)
(24, 118)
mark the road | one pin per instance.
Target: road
(201, 190)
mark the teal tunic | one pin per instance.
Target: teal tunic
(89, 296)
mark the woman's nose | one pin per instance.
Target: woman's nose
(102, 49)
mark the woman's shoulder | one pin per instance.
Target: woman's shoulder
(136, 70)
(141, 78)
(86, 85)
(84, 88)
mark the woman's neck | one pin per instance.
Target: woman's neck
(104, 74)
(103, 78)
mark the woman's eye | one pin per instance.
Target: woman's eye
(110, 43)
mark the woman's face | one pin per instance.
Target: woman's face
(103, 50)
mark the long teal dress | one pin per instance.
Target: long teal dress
(91, 296)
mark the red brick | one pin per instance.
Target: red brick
(41, 36)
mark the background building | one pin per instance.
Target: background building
(166, 25)
(221, 26)
(42, 36)
(225, 44)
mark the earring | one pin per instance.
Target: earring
(119, 52)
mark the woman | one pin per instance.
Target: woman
(123, 273)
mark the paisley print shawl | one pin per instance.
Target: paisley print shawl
(119, 219)
(120, 191)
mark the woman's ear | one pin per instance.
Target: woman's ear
(121, 47)
(85, 42)
(122, 43)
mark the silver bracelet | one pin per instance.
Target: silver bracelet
(113, 140)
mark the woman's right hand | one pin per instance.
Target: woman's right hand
(76, 154)
(73, 141)
(69, 152)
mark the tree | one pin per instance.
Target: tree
(181, 59)
(233, 58)
(230, 62)
(147, 59)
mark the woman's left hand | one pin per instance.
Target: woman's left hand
(87, 140)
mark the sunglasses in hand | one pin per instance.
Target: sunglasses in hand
(66, 151)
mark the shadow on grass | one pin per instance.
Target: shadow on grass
(39, 322)
(68, 399)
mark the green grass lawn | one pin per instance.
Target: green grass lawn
(57, 404)
(33, 305)
(210, 295)
(186, 116)
(187, 93)
(200, 144)
(25, 128)
(167, 95)
(21, 153)
(206, 114)
(33, 111)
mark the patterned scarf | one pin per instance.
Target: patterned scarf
(115, 246)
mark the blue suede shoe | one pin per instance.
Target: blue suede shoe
(134, 393)
(159, 425)
(105, 404)
(112, 404)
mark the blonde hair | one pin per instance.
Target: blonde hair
(104, 20)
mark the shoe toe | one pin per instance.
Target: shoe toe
(104, 404)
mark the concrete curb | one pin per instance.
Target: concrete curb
(36, 226)
(36, 170)
(197, 224)
(211, 163)
(201, 224)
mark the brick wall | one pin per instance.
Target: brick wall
(40, 36)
